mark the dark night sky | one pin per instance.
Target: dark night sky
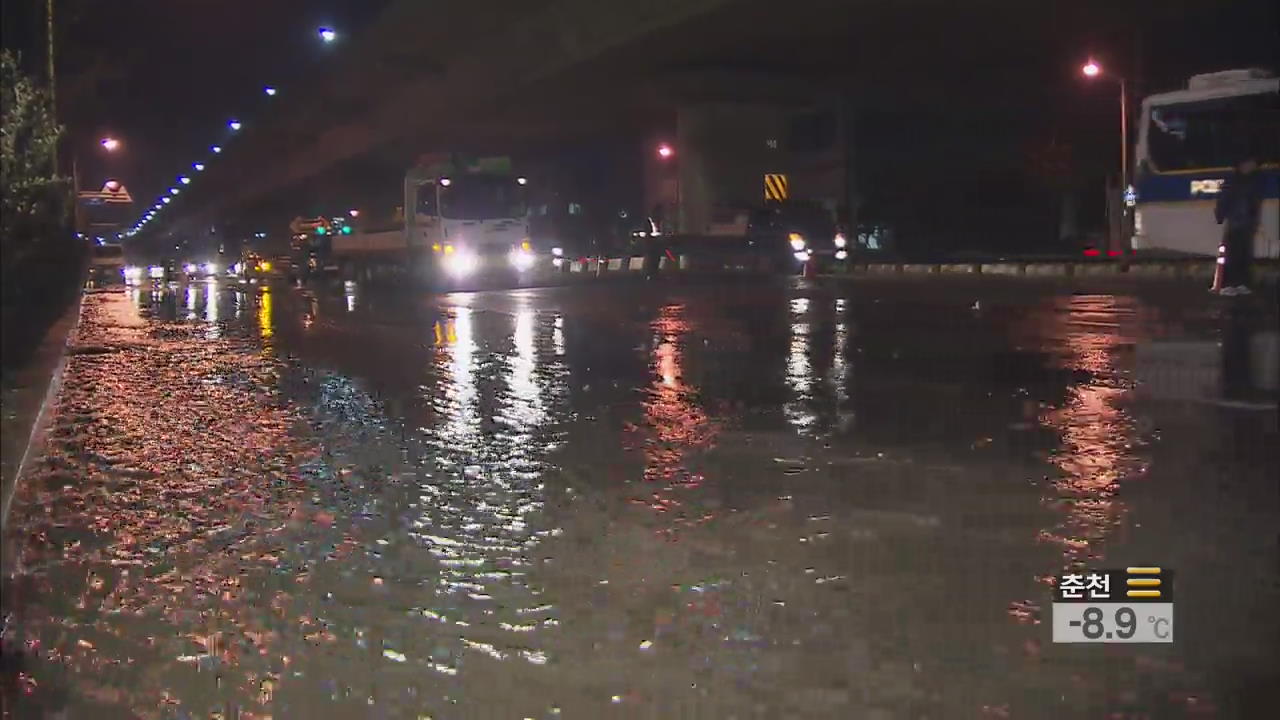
(165, 76)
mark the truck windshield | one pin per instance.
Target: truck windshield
(482, 197)
(1214, 133)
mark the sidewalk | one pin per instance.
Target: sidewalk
(23, 396)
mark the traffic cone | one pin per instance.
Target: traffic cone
(1217, 268)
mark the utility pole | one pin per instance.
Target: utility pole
(53, 79)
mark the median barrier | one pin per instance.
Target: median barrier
(1002, 268)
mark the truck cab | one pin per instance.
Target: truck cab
(469, 222)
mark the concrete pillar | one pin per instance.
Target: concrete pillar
(723, 150)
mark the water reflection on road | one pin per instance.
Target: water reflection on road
(704, 501)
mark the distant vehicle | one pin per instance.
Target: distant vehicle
(253, 267)
(106, 263)
(201, 270)
(1188, 142)
(795, 231)
(155, 272)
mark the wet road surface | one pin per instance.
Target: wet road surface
(705, 501)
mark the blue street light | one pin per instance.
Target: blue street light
(184, 180)
(216, 149)
(328, 35)
(198, 166)
(164, 200)
(269, 91)
(233, 124)
(174, 191)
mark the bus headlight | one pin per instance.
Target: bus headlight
(521, 258)
(840, 240)
(461, 262)
(797, 241)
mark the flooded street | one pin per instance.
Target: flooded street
(711, 501)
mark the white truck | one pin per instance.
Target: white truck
(457, 221)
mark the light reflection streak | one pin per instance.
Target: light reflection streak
(839, 357)
(480, 519)
(191, 302)
(211, 301)
(799, 377)
(675, 421)
(349, 292)
(265, 316)
(1095, 456)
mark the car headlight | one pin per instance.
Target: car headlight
(155, 272)
(521, 258)
(797, 241)
(460, 262)
(840, 240)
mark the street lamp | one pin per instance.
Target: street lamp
(110, 144)
(327, 34)
(215, 148)
(1092, 69)
(269, 91)
(665, 151)
(233, 124)
(199, 167)
(184, 180)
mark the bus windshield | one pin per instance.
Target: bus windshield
(482, 197)
(1214, 133)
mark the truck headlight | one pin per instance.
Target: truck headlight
(797, 241)
(461, 262)
(840, 240)
(521, 258)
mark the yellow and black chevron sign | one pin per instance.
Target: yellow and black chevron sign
(775, 186)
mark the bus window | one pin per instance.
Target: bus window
(1213, 134)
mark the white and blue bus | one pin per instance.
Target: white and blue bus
(1188, 141)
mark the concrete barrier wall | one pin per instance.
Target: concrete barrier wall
(700, 264)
